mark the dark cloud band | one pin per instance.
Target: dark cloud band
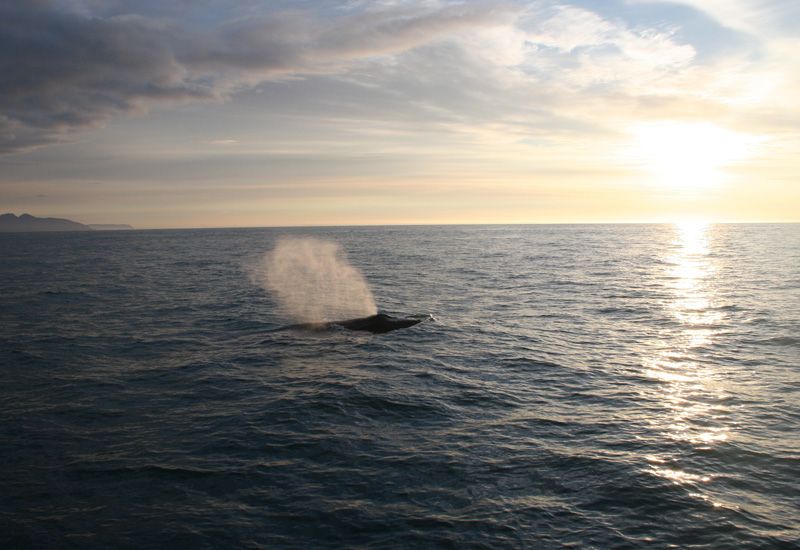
(65, 70)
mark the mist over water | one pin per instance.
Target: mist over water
(312, 281)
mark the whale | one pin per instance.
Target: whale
(380, 323)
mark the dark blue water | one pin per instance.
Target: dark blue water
(580, 386)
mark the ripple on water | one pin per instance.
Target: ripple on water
(585, 386)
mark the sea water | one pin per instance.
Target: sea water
(606, 386)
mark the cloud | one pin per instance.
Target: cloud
(65, 67)
(63, 71)
(761, 17)
(591, 50)
(539, 75)
(513, 70)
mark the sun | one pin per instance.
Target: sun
(686, 156)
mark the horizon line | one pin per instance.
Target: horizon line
(322, 226)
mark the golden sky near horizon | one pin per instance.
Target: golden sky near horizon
(379, 112)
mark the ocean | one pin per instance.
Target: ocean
(572, 386)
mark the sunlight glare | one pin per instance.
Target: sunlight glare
(687, 156)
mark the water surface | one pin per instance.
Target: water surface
(588, 386)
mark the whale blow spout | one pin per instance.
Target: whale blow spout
(377, 324)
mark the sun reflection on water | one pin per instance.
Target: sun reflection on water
(691, 269)
(690, 388)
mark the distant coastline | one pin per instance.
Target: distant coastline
(10, 223)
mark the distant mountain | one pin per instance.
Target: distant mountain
(9, 223)
(110, 226)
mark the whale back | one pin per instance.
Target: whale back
(377, 324)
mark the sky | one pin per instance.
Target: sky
(210, 113)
